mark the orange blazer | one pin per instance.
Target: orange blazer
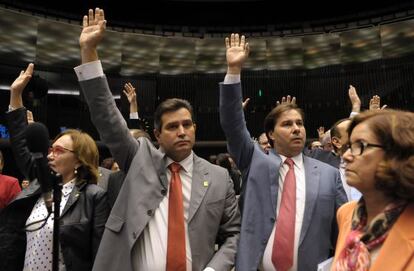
(397, 251)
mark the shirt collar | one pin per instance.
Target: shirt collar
(68, 187)
(186, 163)
(298, 159)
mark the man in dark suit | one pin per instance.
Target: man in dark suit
(138, 235)
(289, 200)
(339, 138)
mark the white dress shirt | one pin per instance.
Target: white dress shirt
(150, 250)
(267, 264)
(40, 243)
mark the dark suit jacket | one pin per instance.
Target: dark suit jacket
(325, 156)
(82, 219)
(324, 193)
(213, 210)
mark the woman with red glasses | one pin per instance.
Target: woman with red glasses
(377, 232)
(26, 227)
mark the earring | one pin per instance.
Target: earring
(76, 171)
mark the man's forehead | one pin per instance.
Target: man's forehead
(290, 115)
(179, 116)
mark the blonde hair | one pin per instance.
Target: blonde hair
(86, 151)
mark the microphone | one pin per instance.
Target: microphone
(37, 137)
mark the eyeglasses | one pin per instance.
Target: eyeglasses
(58, 150)
(358, 147)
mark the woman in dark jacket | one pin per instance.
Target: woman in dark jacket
(84, 208)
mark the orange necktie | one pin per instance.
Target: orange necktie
(283, 244)
(176, 257)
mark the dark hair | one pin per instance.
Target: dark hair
(170, 105)
(394, 129)
(271, 118)
(223, 160)
(108, 163)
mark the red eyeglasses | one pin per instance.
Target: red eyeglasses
(58, 150)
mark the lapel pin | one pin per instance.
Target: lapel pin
(205, 183)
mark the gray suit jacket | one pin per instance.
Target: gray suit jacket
(324, 193)
(213, 209)
(103, 177)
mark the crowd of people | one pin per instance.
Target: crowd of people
(267, 204)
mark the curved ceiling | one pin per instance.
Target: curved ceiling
(218, 15)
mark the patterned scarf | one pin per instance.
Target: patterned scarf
(363, 238)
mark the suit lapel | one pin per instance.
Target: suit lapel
(312, 179)
(73, 197)
(398, 248)
(159, 160)
(162, 170)
(274, 168)
(199, 185)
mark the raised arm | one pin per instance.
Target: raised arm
(17, 87)
(105, 115)
(240, 144)
(18, 121)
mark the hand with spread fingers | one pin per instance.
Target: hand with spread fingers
(131, 95)
(286, 100)
(237, 51)
(375, 103)
(93, 29)
(321, 132)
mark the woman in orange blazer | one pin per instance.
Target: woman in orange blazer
(377, 232)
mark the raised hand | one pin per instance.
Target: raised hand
(93, 28)
(354, 98)
(237, 51)
(131, 95)
(129, 92)
(321, 132)
(17, 87)
(286, 100)
(375, 103)
(245, 103)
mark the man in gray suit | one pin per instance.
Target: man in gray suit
(317, 191)
(137, 229)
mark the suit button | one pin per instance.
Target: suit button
(134, 235)
(164, 192)
(149, 212)
(272, 219)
